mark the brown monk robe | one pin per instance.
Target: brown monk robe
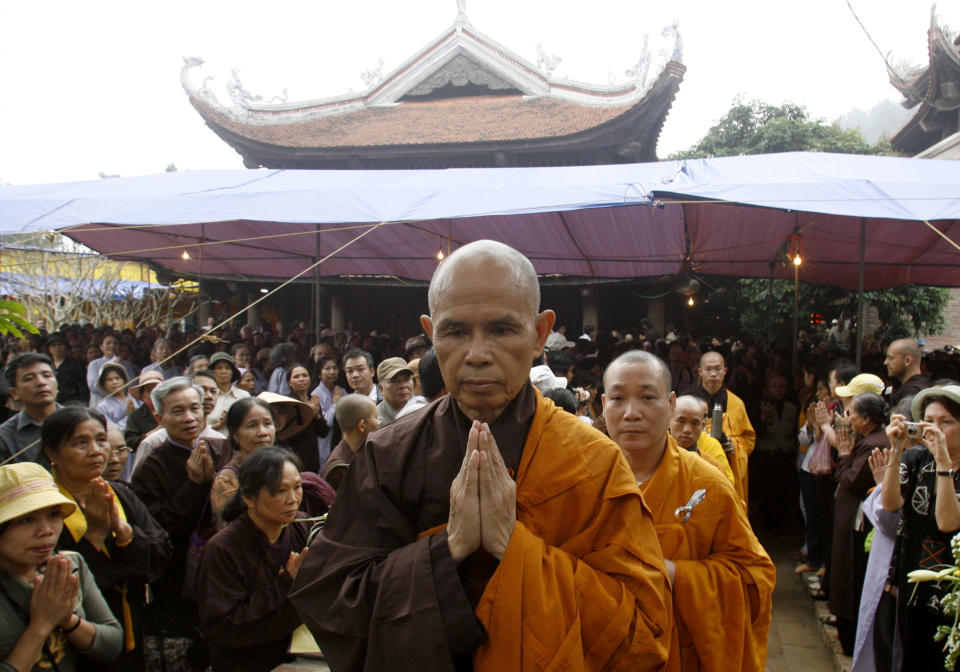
(723, 580)
(435, 557)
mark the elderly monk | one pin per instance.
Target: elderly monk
(686, 428)
(488, 530)
(738, 436)
(722, 578)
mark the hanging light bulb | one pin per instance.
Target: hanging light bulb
(440, 255)
(797, 260)
(690, 301)
(185, 256)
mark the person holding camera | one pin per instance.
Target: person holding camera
(922, 483)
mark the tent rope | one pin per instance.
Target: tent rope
(206, 335)
(942, 234)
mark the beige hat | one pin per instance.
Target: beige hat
(151, 377)
(861, 384)
(951, 392)
(306, 413)
(26, 487)
(390, 367)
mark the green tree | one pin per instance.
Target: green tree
(744, 307)
(756, 127)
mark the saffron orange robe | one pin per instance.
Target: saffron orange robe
(711, 450)
(582, 585)
(723, 590)
(736, 425)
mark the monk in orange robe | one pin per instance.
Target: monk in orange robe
(686, 428)
(738, 436)
(488, 530)
(722, 578)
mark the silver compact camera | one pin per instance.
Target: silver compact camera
(913, 429)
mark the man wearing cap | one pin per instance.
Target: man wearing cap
(142, 420)
(396, 386)
(226, 374)
(903, 366)
(34, 384)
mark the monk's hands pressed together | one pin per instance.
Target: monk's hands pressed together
(463, 524)
(498, 496)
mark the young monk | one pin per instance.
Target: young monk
(722, 578)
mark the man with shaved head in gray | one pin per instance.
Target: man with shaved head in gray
(903, 367)
(488, 530)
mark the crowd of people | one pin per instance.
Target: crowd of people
(488, 494)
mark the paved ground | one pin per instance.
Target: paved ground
(796, 636)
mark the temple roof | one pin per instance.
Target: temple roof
(934, 91)
(461, 100)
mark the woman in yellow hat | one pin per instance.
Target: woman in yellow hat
(51, 611)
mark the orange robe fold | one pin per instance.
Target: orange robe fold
(723, 591)
(736, 425)
(581, 585)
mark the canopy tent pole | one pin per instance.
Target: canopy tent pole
(863, 251)
(796, 314)
(317, 295)
(770, 303)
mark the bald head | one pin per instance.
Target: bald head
(691, 404)
(640, 357)
(903, 359)
(713, 371)
(352, 408)
(494, 257)
(687, 420)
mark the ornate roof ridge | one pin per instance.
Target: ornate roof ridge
(461, 39)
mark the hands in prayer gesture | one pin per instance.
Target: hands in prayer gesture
(845, 440)
(200, 464)
(483, 499)
(54, 595)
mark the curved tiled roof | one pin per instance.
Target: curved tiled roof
(451, 121)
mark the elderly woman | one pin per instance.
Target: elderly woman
(52, 614)
(110, 527)
(249, 567)
(848, 560)
(922, 485)
(251, 425)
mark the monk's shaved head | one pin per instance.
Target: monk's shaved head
(711, 354)
(641, 357)
(352, 408)
(688, 402)
(502, 259)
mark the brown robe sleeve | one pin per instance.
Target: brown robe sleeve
(371, 591)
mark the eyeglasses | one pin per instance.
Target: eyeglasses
(119, 452)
